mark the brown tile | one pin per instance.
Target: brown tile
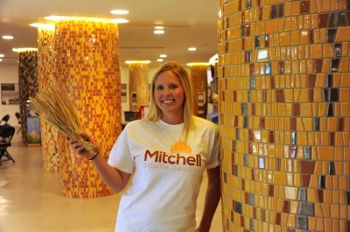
(307, 167)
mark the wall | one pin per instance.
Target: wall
(9, 74)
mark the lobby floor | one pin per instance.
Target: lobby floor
(31, 199)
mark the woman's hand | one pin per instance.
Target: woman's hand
(77, 147)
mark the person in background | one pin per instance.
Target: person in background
(164, 157)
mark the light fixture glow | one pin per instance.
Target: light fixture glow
(18, 50)
(197, 64)
(159, 27)
(192, 49)
(43, 26)
(137, 61)
(119, 12)
(163, 55)
(160, 60)
(158, 32)
(7, 37)
(88, 19)
(2, 55)
(0, 60)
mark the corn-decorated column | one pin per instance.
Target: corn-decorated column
(28, 84)
(46, 74)
(284, 103)
(199, 84)
(138, 85)
(87, 54)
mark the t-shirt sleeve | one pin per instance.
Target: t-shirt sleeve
(213, 149)
(120, 157)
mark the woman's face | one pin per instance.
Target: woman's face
(169, 96)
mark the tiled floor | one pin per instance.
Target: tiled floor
(31, 199)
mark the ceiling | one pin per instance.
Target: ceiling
(187, 23)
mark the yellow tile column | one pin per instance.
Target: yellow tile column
(284, 115)
(138, 85)
(87, 54)
(46, 74)
(199, 84)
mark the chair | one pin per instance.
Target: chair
(5, 119)
(6, 133)
(18, 116)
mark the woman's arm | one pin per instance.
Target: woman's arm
(114, 178)
(212, 198)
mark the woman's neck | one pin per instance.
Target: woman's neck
(172, 119)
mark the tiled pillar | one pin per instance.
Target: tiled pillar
(138, 86)
(28, 85)
(284, 104)
(87, 68)
(46, 74)
(199, 84)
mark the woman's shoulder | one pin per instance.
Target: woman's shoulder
(204, 123)
(136, 124)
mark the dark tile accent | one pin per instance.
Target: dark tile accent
(329, 112)
(335, 65)
(272, 82)
(233, 145)
(263, 215)
(262, 123)
(322, 20)
(332, 22)
(243, 184)
(341, 124)
(331, 35)
(263, 95)
(316, 123)
(244, 109)
(238, 134)
(311, 80)
(331, 138)
(307, 153)
(329, 80)
(225, 178)
(278, 219)
(242, 221)
(245, 122)
(247, 56)
(311, 38)
(235, 121)
(238, 207)
(320, 195)
(251, 224)
(250, 135)
(245, 160)
(286, 207)
(331, 95)
(267, 40)
(253, 174)
(318, 65)
(252, 82)
(251, 69)
(347, 197)
(260, 13)
(278, 164)
(307, 167)
(235, 170)
(296, 109)
(304, 7)
(322, 181)
(331, 168)
(311, 95)
(277, 11)
(293, 124)
(257, 41)
(253, 104)
(305, 180)
(271, 190)
(337, 48)
(342, 20)
(281, 67)
(280, 95)
(271, 136)
(247, 30)
(302, 194)
(234, 95)
(302, 222)
(243, 47)
(306, 208)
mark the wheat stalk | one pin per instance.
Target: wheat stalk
(54, 105)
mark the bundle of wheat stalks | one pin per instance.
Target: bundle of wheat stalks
(54, 105)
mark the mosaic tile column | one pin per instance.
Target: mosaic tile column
(199, 84)
(46, 73)
(284, 115)
(138, 86)
(28, 85)
(87, 67)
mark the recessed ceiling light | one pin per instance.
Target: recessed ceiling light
(0, 60)
(158, 32)
(160, 60)
(163, 55)
(198, 64)
(192, 49)
(119, 12)
(2, 55)
(159, 27)
(7, 37)
(137, 61)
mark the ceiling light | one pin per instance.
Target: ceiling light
(137, 61)
(43, 26)
(119, 12)
(88, 19)
(160, 60)
(192, 49)
(159, 27)
(158, 32)
(2, 55)
(0, 60)
(162, 55)
(24, 49)
(198, 64)
(7, 37)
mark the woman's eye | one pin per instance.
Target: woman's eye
(159, 87)
(172, 86)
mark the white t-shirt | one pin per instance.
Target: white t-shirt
(167, 173)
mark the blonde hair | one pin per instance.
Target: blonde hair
(154, 112)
